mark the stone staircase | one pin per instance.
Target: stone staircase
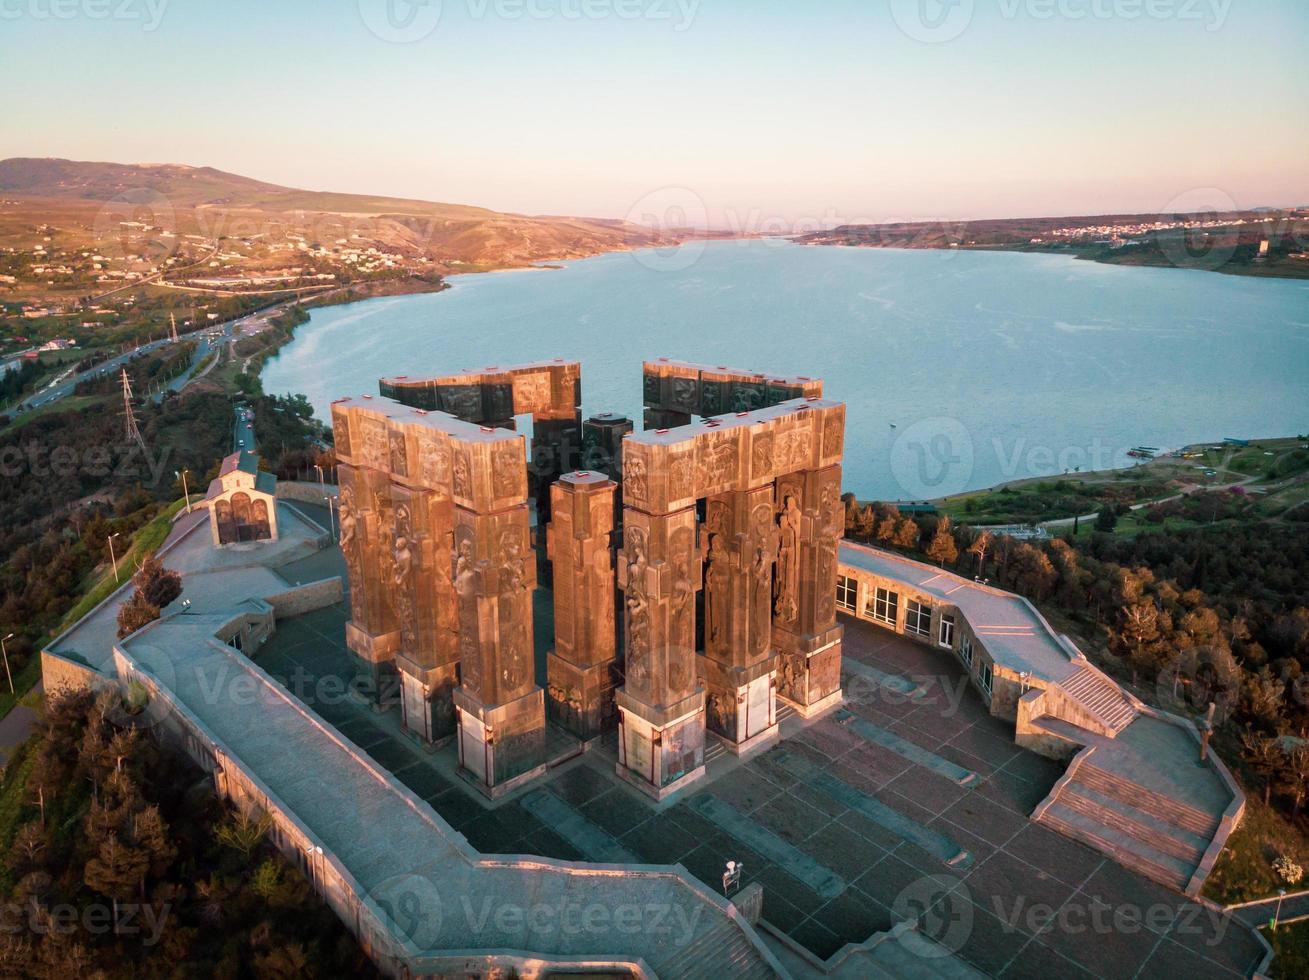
(718, 953)
(1144, 830)
(1101, 697)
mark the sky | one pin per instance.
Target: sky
(753, 115)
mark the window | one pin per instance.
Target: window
(918, 618)
(946, 635)
(984, 677)
(885, 607)
(966, 650)
(847, 593)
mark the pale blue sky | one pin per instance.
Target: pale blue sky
(765, 110)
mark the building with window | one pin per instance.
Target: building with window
(242, 502)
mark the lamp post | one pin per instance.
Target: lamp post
(185, 490)
(1281, 894)
(331, 514)
(5, 652)
(112, 557)
(320, 473)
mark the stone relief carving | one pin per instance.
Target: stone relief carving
(434, 465)
(684, 393)
(531, 393)
(637, 599)
(463, 474)
(402, 573)
(376, 449)
(711, 398)
(680, 477)
(399, 454)
(764, 536)
(786, 590)
(746, 397)
(462, 401)
(341, 434)
(650, 389)
(635, 479)
(506, 468)
(465, 576)
(349, 550)
(717, 578)
(833, 434)
(761, 456)
(717, 464)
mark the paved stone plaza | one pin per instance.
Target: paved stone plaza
(835, 868)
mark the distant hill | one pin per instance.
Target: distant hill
(213, 203)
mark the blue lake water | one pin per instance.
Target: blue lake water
(959, 369)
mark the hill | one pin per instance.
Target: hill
(92, 200)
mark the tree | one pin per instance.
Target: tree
(157, 585)
(906, 533)
(117, 871)
(1138, 636)
(1107, 519)
(942, 548)
(135, 613)
(1295, 775)
(980, 546)
(1264, 757)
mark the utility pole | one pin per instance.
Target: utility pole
(112, 557)
(173, 321)
(132, 432)
(187, 492)
(5, 652)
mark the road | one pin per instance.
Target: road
(243, 432)
(224, 333)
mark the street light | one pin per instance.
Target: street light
(112, 557)
(320, 472)
(187, 492)
(331, 515)
(5, 652)
(1281, 894)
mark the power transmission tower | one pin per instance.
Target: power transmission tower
(133, 432)
(173, 320)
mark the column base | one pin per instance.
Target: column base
(660, 750)
(581, 699)
(741, 702)
(374, 659)
(809, 673)
(427, 710)
(501, 746)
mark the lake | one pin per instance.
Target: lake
(960, 369)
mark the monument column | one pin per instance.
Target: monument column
(424, 599)
(739, 662)
(810, 521)
(500, 709)
(372, 633)
(582, 667)
(661, 703)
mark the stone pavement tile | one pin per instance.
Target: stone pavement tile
(886, 879)
(829, 738)
(903, 804)
(423, 780)
(926, 862)
(870, 767)
(1007, 887)
(988, 746)
(928, 789)
(765, 765)
(968, 760)
(391, 755)
(1066, 859)
(456, 807)
(580, 785)
(1035, 769)
(854, 917)
(870, 829)
(616, 811)
(490, 835)
(816, 938)
(1219, 938)
(1013, 792)
(780, 912)
(843, 850)
(1203, 962)
(986, 819)
(660, 840)
(978, 847)
(790, 818)
(775, 881)
(1116, 887)
(516, 821)
(940, 720)
(881, 710)
(1113, 955)
(921, 734)
(987, 943)
(1038, 961)
(745, 790)
(547, 843)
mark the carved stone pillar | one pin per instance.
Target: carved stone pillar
(423, 596)
(582, 667)
(739, 663)
(501, 711)
(372, 633)
(655, 418)
(661, 704)
(808, 639)
(602, 443)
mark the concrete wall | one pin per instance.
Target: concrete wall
(306, 598)
(60, 674)
(306, 493)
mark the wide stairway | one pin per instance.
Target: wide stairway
(1100, 696)
(720, 952)
(1138, 827)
